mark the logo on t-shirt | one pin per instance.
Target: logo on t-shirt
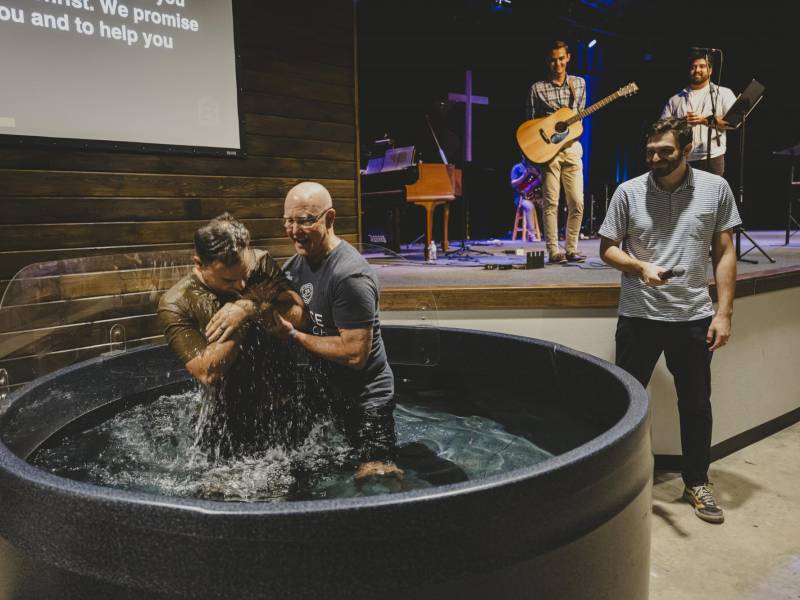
(306, 291)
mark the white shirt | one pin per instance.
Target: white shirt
(700, 102)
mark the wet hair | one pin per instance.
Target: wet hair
(680, 127)
(699, 54)
(223, 238)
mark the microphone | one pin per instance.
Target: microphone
(673, 272)
(699, 49)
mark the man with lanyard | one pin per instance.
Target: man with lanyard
(343, 331)
(695, 104)
(566, 168)
(655, 222)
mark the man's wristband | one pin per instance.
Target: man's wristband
(292, 336)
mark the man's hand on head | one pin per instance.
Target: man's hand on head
(228, 321)
(278, 326)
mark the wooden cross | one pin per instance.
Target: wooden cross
(468, 99)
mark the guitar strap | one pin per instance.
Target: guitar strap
(571, 93)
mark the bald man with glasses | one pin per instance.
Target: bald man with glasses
(342, 333)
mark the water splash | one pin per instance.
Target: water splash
(153, 448)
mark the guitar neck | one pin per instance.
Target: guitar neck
(594, 107)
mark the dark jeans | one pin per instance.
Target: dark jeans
(717, 166)
(640, 343)
(370, 431)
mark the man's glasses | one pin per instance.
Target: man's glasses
(303, 222)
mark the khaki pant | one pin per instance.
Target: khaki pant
(566, 168)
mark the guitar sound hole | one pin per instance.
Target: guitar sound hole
(561, 127)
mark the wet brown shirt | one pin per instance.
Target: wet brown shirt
(187, 307)
(246, 409)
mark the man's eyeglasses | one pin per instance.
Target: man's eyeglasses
(303, 222)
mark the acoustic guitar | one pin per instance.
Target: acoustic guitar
(541, 139)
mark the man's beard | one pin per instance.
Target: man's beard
(665, 167)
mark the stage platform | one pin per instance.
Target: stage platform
(461, 280)
(576, 306)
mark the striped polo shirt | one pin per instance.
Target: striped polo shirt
(669, 229)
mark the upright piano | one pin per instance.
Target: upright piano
(395, 180)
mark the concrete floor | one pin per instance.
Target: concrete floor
(755, 553)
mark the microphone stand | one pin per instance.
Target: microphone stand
(711, 123)
(740, 229)
(464, 249)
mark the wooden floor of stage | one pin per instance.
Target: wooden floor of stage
(462, 280)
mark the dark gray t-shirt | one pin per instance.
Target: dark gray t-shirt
(342, 292)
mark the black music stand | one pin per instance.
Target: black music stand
(736, 117)
(793, 152)
(464, 249)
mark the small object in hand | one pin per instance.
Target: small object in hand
(673, 272)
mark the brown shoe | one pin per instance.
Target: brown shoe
(575, 257)
(705, 507)
(559, 258)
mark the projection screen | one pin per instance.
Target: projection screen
(149, 72)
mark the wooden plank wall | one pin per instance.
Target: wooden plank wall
(297, 101)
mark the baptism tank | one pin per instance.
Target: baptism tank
(574, 525)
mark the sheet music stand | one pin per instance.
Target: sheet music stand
(736, 118)
(397, 159)
(744, 104)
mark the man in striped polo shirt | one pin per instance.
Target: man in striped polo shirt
(658, 221)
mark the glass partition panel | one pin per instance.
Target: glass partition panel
(56, 313)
